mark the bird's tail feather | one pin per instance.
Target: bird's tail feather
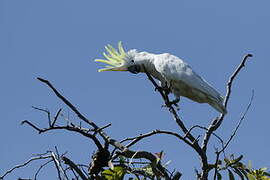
(219, 107)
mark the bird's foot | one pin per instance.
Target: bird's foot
(165, 88)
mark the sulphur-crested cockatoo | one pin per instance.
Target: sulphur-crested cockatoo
(172, 72)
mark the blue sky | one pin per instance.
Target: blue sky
(58, 40)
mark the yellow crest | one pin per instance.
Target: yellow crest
(114, 58)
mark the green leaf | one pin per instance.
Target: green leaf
(117, 173)
(226, 160)
(233, 161)
(263, 169)
(251, 177)
(237, 159)
(266, 174)
(148, 170)
(231, 176)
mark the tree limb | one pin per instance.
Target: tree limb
(75, 167)
(217, 122)
(25, 163)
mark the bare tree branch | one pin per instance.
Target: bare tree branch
(56, 117)
(69, 128)
(239, 123)
(39, 169)
(108, 140)
(217, 122)
(58, 166)
(180, 123)
(83, 118)
(46, 111)
(75, 167)
(25, 163)
(154, 132)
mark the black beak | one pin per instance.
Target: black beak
(135, 69)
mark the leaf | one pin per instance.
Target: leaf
(231, 176)
(266, 174)
(251, 177)
(148, 170)
(233, 161)
(117, 173)
(263, 169)
(249, 165)
(237, 159)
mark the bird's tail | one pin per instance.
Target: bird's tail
(218, 106)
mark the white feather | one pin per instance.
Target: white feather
(183, 81)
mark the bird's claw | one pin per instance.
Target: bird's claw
(165, 89)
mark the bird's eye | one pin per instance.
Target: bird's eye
(132, 61)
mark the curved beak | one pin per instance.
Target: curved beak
(135, 69)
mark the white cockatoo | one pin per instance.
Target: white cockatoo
(173, 73)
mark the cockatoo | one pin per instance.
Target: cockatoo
(172, 72)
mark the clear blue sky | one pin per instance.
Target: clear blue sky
(58, 40)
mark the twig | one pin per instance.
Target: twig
(204, 128)
(100, 129)
(216, 164)
(57, 165)
(58, 158)
(39, 169)
(239, 123)
(56, 117)
(217, 122)
(180, 123)
(69, 128)
(167, 102)
(83, 118)
(68, 103)
(154, 132)
(46, 111)
(108, 140)
(24, 164)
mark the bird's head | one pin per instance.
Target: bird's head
(119, 60)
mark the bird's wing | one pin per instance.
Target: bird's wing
(173, 68)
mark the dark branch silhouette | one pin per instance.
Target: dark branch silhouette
(109, 149)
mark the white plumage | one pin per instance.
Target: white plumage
(170, 70)
(183, 81)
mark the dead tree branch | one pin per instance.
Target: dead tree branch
(239, 123)
(192, 141)
(217, 122)
(39, 157)
(72, 165)
(68, 128)
(108, 140)
(39, 169)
